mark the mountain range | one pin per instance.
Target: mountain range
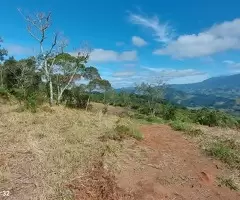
(221, 92)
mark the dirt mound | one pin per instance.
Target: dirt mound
(98, 184)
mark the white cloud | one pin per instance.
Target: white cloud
(19, 50)
(152, 75)
(139, 42)
(162, 31)
(218, 38)
(229, 62)
(232, 64)
(124, 74)
(174, 73)
(101, 55)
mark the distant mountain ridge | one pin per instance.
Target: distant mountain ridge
(230, 81)
(218, 92)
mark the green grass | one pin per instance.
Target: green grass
(224, 152)
(227, 182)
(122, 132)
(186, 128)
(127, 131)
(144, 119)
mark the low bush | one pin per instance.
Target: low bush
(186, 128)
(225, 152)
(180, 126)
(4, 94)
(214, 118)
(168, 112)
(122, 132)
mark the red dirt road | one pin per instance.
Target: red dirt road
(175, 170)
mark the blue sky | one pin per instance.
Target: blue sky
(133, 41)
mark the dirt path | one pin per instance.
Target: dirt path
(175, 169)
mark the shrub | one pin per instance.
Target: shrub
(122, 132)
(180, 126)
(214, 118)
(154, 119)
(4, 94)
(75, 98)
(186, 128)
(224, 152)
(168, 112)
(105, 109)
(31, 103)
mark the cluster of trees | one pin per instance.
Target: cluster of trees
(52, 74)
(56, 76)
(148, 103)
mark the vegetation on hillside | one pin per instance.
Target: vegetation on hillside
(56, 76)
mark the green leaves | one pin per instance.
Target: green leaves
(3, 52)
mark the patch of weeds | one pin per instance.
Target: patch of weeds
(105, 109)
(186, 128)
(155, 120)
(231, 143)
(194, 132)
(122, 132)
(225, 153)
(228, 182)
(125, 131)
(41, 135)
(180, 126)
(20, 109)
(144, 119)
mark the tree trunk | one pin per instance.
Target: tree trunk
(88, 101)
(50, 92)
(1, 78)
(104, 101)
(59, 98)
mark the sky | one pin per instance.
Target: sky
(136, 41)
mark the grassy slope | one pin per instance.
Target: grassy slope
(42, 152)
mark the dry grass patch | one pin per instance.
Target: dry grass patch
(42, 152)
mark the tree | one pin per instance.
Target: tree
(37, 26)
(21, 75)
(68, 69)
(101, 85)
(153, 94)
(3, 53)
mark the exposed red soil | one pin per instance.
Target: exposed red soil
(175, 169)
(98, 184)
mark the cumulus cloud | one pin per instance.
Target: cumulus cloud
(19, 50)
(218, 38)
(152, 75)
(138, 41)
(161, 31)
(101, 55)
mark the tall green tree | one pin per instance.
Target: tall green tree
(3, 53)
(68, 69)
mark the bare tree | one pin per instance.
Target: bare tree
(38, 26)
(153, 92)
